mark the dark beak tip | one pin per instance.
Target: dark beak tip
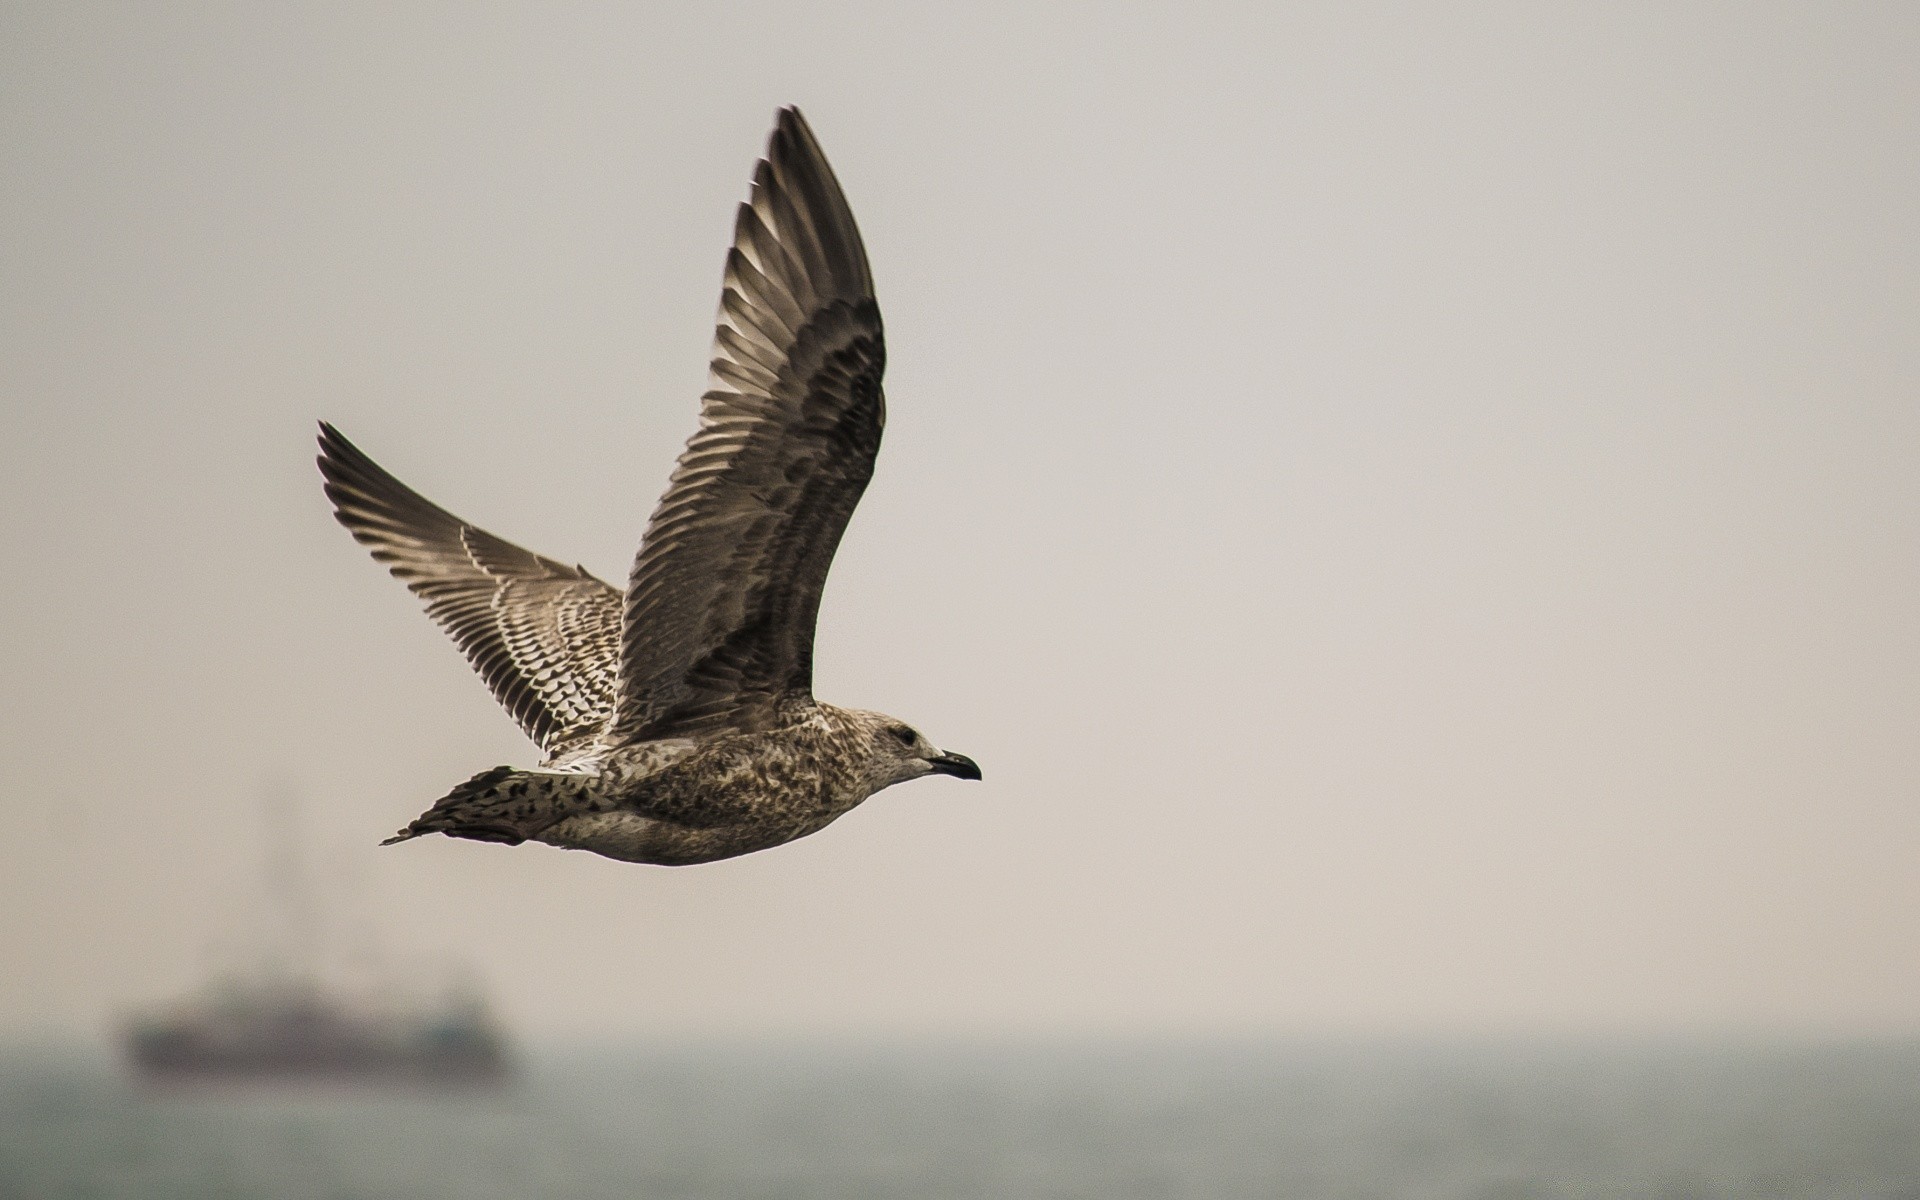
(957, 765)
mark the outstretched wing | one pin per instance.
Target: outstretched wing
(721, 604)
(544, 636)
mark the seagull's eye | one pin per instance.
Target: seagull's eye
(903, 735)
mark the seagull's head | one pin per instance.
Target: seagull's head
(897, 752)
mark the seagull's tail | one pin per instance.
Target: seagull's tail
(505, 805)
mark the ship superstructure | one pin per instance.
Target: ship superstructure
(282, 1015)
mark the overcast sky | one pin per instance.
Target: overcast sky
(1415, 509)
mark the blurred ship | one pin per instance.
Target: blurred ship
(295, 1031)
(282, 1018)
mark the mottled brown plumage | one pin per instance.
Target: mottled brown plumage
(678, 720)
(545, 637)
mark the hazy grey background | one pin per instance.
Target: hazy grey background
(1414, 508)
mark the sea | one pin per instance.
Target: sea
(1408, 1120)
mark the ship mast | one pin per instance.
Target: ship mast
(294, 933)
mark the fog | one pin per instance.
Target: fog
(1414, 509)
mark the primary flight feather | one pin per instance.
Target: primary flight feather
(678, 718)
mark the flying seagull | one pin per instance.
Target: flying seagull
(678, 718)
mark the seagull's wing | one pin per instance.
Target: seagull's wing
(721, 603)
(544, 636)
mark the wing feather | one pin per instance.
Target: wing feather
(725, 591)
(544, 636)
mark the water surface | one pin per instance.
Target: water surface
(1407, 1121)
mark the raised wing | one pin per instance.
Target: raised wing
(544, 636)
(723, 596)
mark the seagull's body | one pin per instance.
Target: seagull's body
(678, 718)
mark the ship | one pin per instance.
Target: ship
(299, 1032)
(282, 1017)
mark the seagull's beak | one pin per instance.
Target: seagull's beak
(957, 765)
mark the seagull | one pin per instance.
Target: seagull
(678, 718)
